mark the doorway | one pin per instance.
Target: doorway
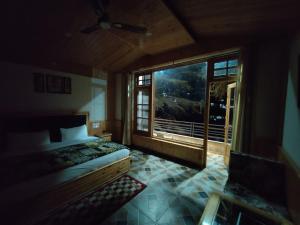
(222, 115)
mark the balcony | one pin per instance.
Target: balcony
(192, 133)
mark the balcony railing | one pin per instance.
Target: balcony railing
(192, 129)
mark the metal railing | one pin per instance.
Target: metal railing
(192, 129)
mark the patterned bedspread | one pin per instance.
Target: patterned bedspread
(25, 167)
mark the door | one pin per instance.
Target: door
(229, 119)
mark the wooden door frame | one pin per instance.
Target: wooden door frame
(226, 128)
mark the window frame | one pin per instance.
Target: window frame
(138, 88)
(227, 77)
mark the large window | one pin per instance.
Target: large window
(179, 102)
(170, 102)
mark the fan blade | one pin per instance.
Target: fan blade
(90, 29)
(131, 28)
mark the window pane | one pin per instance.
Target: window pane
(145, 111)
(139, 111)
(218, 73)
(220, 65)
(144, 80)
(180, 102)
(139, 124)
(147, 82)
(233, 71)
(145, 125)
(140, 97)
(145, 97)
(233, 62)
(142, 124)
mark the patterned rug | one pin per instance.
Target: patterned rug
(96, 206)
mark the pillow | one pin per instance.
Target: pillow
(27, 139)
(74, 133)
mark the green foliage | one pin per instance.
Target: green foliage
(180, 92)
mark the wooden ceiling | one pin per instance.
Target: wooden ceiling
(229, 18)
(48, 32)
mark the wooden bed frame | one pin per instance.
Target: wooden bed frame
(32, 209)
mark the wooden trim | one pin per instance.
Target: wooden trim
(41, 204)
(210, 210)
(139, 66)
(214, 201)
(179, 19)
(184, 152)
(206, 121)
(87, 116)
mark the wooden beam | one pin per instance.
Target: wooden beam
(168, 5)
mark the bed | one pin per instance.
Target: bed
(58, 171)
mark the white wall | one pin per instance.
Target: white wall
(17, 93)
(291, 132)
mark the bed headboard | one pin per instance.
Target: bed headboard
(38, 123)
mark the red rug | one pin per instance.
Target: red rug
(96, 206)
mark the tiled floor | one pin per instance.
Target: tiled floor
(175, 194)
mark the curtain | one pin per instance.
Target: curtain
(128, 100)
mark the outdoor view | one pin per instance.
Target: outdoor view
(180, 93)
(180, 100)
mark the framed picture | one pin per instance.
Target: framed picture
(39, 82)
(58, 84)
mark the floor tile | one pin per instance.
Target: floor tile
(175, 194)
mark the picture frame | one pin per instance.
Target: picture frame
(58, 84)
(39, 82)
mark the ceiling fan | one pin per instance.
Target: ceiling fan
(104, 23)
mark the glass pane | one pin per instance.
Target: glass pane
(145, 97)
(147, 77)
(141, 82)
(147, 82)
(218, 73)
(139, 124)
(145, 111)
(142, 124)
(180, 102)
(220, 65)
(232, 71)
(141, 77)
(233, 62)
(145, 125)
(140, 97)
(139, 111)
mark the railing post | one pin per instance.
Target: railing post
(192, 129)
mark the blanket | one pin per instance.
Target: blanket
(21, 168)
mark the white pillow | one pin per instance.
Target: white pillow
(74, 133)
(27, 139)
